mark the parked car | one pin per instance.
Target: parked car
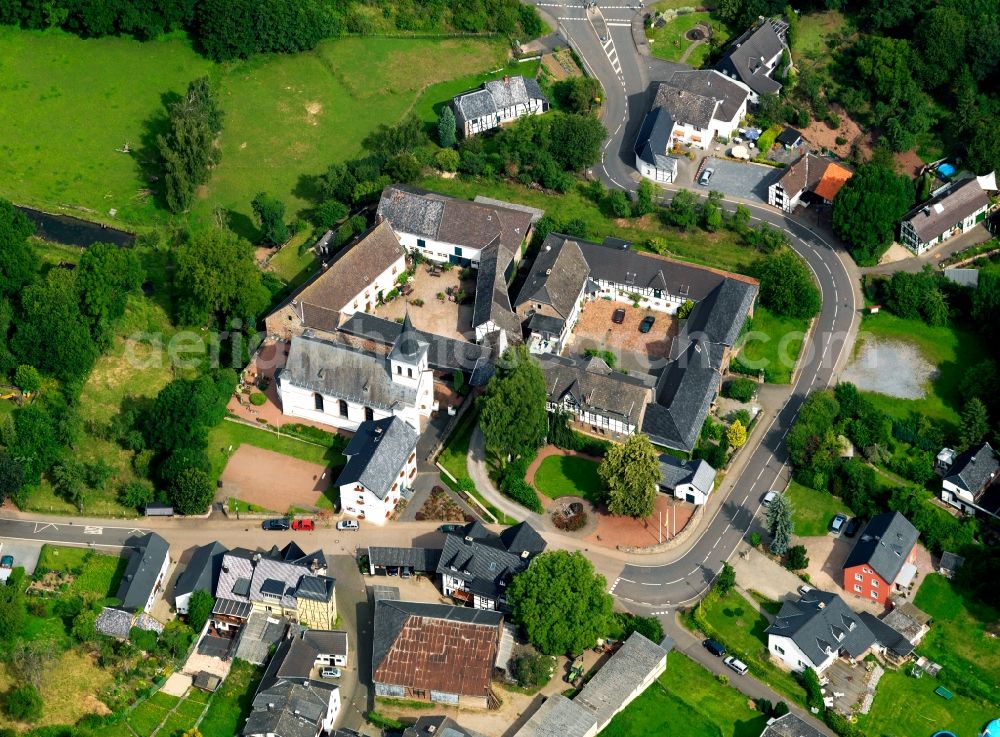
(619, 316)
(647, 324)
(347, 524)
(305, 525)
(852, 527)
(715, 647)
(405, 572)
(737, 665)
(805, 589)
(329, 672)
(769, 497)
(838, 523)
(706, 176)
(451, 528)
(277, 525)
(6, 567)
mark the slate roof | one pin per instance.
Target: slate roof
(948, 207)
(451, 220)
(492, 298)
(975, 470)
(434, 646)
(951, 561)
(443, 354)
(744, 57)
(708, 84)
(340, 371)
(718, 318)
(556, 278)
(289, 710)
(495, 96)
(819, 621)
(684, 394)
(884, 545)
(421, 560)
(149, 552)
(409, 347)
(354, 268)
(539, 323)
(887, 636)
(653, 140)
(698, 473)
(486, 563)
(594, 387)
(684, 106)
(814, 173)
(791, 725)
(202, 571)
(244, 580)
(296, 656)
(377, 453)
(788, 137)
(438, 726)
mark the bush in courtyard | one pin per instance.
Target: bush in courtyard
(257, 399)
(529, 667)
(742, 390)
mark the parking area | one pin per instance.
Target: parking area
(633, 350)
(748, 181)
(429, 312)
(827, 554)
(25, 554)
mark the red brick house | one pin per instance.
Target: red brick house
(883, 558)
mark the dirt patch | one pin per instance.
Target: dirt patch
(272, 480)
(427, 311)
(890, 367)
(560, 65)
(613, 531)
(313, 111)
(820, 135)
(909, 163)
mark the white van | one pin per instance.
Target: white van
(737, 665)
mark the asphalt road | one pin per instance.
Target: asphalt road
(626, 76)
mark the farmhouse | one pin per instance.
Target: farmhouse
(201, 574)
(593, 394)
(815, 630)
(550, 299)
(808, 180)
(883, 558)
(969, 481)
(691, 109)
(753, 57)
(145, 574)
(476, 565)
(452, 230)
(381, 466)
(435, 652)
(498, 102)
(356, 279)
(951, 211)
(690, 481)
(339, 385)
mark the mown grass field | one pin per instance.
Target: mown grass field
(669, 42)
(287, 117)
(687, 696)
(569, 476)
(951, 350)
(228, 435)
(814, 30)
(720, 250)
(812, 510)
(774, 344)
(906, 706)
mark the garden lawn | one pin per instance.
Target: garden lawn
(689, 695)
(773, 344)
(99, 574)
(436, 96)
(292, 266)
(569, 476)
(812, 510)
(908, 707)
(286, 115)
(950, 349)
(720, 250)
(958, 638)
(736, 623)
(146, 718)
(669, 42)
(454, 459)
(233, 434)
(813, 31)
(230, 705)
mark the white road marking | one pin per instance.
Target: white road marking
(93, 530)
(618, 24)
(650, 583)
(39, 526)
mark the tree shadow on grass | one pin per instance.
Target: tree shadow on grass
(149, 167)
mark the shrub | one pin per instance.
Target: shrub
(810, 682)
(796, 558)
(417, 302)
(755, 539)
(143, 639)
(685, 309)
(529, 667)
(607, 356)
(447, 159)
(780, 709)
(135, 494)
(742, 390)
(24, 703)
(840, 141)
(257, 399)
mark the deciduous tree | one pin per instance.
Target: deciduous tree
(199, 609)
(736, 434)
(512, 410)
(867, 210)
(19, 260)
(561, 604)
(106, 276)
(188, 149)
(787, 286)
(269, 214)
(630, 472)
(726, 579)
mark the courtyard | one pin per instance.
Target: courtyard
(633, 351)
(428, 311)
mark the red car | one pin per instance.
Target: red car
(306, 525)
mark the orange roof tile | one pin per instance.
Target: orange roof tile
(833, 179)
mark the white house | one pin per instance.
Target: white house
(951, 211)
(689, 481)
(753, 57)
(145, 574)
(343, 386)
(552, 295)
(498, 102)
(451, 230)
(969, 482)
(808, 179)
(356, 280)
(381, 466)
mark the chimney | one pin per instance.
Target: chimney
(431, 728)
(822, 605)
(468, 539)
(506, 80)
(314, 565)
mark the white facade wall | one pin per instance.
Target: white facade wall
(161, 581)
(332, 710)
(651, 172)
(298, 402)
(785, 650)
(368, 297)
(589, 418)
(359, 501)
(778, 197)
(504, 115)
(182, 602)
(437, 250)
(909, 238)
(665, 302)
(450, 584)
(681, 491)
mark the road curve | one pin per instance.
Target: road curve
(625, 75)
